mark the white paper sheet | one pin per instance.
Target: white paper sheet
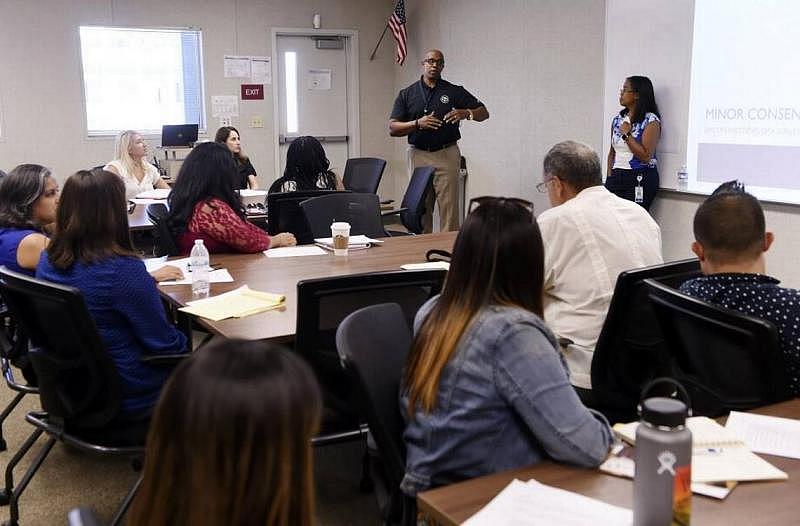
(289, 252)
(426, 266)
(261, 70)
(157, 193)
(236, 66)
(224, 106)
(535, 503)
(770, 435)
(215, 276)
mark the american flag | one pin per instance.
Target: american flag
(397, 23)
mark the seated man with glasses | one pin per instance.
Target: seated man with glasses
(590, 235)
(429, 112)
(730, 241)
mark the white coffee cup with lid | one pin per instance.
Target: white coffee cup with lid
(340, 232)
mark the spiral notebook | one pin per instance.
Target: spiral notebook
(717, 454)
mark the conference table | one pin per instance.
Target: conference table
(139, 222)
(280, 276)
(762, 503)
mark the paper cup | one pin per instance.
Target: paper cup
(340, 232)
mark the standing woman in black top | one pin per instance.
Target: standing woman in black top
(229, 136)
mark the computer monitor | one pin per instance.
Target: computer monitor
(178, 135)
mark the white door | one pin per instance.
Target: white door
(313, 96)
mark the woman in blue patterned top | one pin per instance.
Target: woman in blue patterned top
(632, 165)
(91, 250)
(28, 202)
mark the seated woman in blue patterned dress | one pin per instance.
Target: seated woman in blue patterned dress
(28, 202)
(91, 250)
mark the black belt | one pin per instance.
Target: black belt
(435, 148)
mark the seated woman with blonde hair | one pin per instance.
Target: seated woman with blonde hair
(230, 441)
(129, 163)
(28, 203)
(486, 388)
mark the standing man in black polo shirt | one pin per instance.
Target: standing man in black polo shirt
(429, 112)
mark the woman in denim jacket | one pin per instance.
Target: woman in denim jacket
(485, 388)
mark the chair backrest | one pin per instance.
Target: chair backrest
(375, 360)
(165, 243)
(363, 174)
(285, 215)
(414, 199)
(727, 360)
(323, 303)
(78, 382)
(630, 349)
(362, 211)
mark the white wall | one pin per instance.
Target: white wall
(41, 104)
(661, 48)
(538, 67)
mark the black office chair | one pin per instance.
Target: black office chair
(630, 350)
(413, 208)
(79, 386)
(363, 174)
(321, 305)
(362, 211)
(727, 360)
(165, 242)
(13, 351)
(374, 360)
(285, 215)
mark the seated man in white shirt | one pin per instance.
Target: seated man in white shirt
(590, 235)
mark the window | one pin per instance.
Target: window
(141, 78)
(290, 65)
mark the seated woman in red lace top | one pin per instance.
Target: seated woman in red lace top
(204, 205)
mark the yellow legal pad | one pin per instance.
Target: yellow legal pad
(234, 304)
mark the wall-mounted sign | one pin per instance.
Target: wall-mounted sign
(252, 91)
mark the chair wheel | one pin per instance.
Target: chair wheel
(3, 445)
(4, 498)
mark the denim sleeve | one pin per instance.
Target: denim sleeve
(136, 299)
(531, 378)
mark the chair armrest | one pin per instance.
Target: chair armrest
(393, 212)
(387, 202)
(163, 359)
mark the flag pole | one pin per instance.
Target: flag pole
(372, 56)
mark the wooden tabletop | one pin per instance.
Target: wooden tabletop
(280, 275)
(762, 503)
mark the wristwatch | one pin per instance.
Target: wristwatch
(469, 117)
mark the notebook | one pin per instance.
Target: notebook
(234, 304)
(718, 455)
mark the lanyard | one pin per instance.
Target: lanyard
(426, 96)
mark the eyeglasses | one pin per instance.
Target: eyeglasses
(433, 61)
(542, 187)
(476, 202)
(623, 90)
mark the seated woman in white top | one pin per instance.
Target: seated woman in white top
(129, 163)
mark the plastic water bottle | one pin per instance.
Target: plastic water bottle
(662, 479)
(683, 178)
(198, 259)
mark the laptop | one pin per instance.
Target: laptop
(179, 135)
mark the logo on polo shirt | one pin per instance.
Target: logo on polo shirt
(444, 99)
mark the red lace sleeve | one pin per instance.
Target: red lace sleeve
(217, 220)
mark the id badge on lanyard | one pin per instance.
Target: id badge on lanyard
(638, 191)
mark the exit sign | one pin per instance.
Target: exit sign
(252, 91)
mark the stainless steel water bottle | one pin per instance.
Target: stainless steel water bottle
(662, 493)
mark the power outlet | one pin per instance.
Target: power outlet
(256, 121)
